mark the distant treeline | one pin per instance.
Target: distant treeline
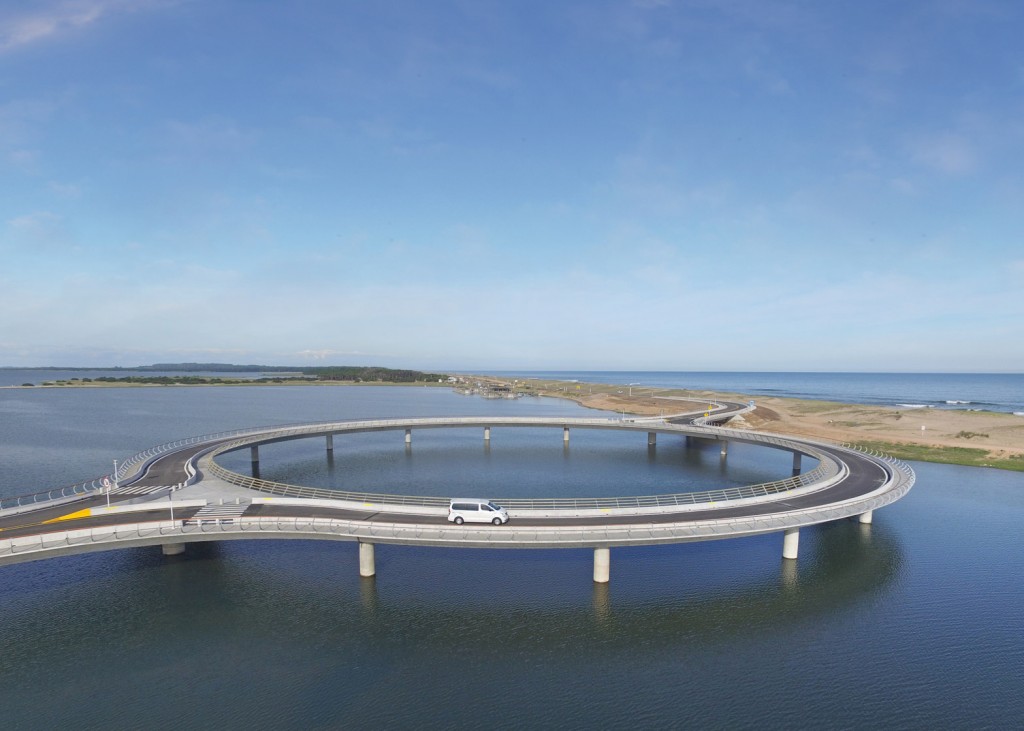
(370, 373)
(324, 373)
(357, 374)
(169, 380)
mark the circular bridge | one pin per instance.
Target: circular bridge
(228, 505)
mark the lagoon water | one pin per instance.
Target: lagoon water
(912, 622)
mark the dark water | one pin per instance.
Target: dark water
(979, 391)
(913, 622)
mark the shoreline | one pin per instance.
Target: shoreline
(226, 382)
(947, 436)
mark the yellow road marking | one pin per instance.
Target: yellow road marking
(71, 516)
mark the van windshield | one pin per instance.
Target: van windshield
(492, 506)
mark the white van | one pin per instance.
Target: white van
(473, 510)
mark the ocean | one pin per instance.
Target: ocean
(977, 391)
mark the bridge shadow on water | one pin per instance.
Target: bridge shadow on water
(537, 596)
(284, 633)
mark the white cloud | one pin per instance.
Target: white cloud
(947, 153)
(23, 159)
(36, 221)
(65, 190)
(207, 136)
(43, 229)
(58, 18)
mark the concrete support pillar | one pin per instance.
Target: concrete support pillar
(408, 436)
(602, 565)
(865, 518)
(565, 434)
(652, 438)
(254, 454)
(796, 463)
(367, 565)
(330, 442)
(487, 433)
(791, 543)
(725, 448)
(172, 549)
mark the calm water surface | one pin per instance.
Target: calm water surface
(913, 622)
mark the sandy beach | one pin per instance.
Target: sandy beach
(976, 438)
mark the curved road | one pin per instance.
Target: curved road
(865, 475)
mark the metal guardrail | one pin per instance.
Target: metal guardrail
(425, 535)
(826, 469)
(130, 467)
(127, 469)
(821, 473)
(901, 479)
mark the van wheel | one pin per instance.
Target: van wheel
(458, 520)
(496, 521)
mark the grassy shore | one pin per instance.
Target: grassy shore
(948, 436)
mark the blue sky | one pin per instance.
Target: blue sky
(652, 185)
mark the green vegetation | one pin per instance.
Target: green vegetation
(371, 373)
(181, 377)
(970, 435)
(172, 380)
(967, 456)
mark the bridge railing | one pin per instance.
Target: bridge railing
(825, 470)
(130, 467)
(510, 536)
(126, 469)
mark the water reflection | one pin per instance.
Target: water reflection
(842, 565)
(368, 595)
(602, 603)
(788, 574)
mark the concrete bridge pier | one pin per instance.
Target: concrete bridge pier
(652, 438)
(565, 435)
(487, 433)
(367, 565)
(602, 565)
(791, 543)
(408, 436)
(865, 518)
(172, 549)
(330, 444)
(725, 449)
(796, 463)
(254, 458)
